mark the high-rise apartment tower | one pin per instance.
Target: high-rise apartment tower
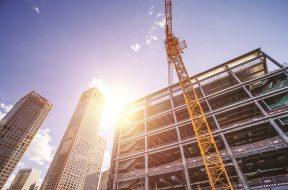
(26, 179)
(245, 101)
(104, 180)
(17, 129)
(77, 162)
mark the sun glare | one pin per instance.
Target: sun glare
(115, 101)
(114, 104)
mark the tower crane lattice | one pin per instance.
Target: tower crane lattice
(215, 169)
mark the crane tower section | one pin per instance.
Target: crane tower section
(215, 169)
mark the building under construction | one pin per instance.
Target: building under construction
(245, 101)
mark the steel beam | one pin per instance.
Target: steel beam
(215, 133)
(272, 122)
(215, 112)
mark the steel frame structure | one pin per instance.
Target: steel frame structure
(117, 176)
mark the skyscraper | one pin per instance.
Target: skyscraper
(26, 179)
(78, 160)
(17, 129)
(104, 180)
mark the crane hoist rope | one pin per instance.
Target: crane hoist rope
(215, 169)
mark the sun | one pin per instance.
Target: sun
(114, 104)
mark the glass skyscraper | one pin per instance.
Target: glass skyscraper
(18, 128)
(78, 160)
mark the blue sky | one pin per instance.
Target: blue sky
(57, 47)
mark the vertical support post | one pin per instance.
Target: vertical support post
(272, 60)
(187, 179)
(268, 107)
(230, 153)
(118, 132)
(271, 121)
(146, 148)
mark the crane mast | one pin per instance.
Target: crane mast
(215, 169)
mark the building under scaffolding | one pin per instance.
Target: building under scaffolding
(246, 105)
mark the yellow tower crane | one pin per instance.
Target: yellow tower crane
(215, 169)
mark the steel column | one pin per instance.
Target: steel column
(273, 60)
(146, 148)
(115, 182)
(180, 145)
(235, 164)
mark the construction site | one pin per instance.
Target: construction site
(246, 107)
(224, 128)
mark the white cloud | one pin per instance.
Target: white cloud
(2, 115)
(6, 109)
(9, 181)
(13, 175)
(106, 160)
(136, 47)
(99, 84)
(40, 149)
(20, 164)
(148, 41)
(160, 15)
(150, 38)
(151, 11)
(157, 25)
(37, 10)
(39, 182)
(153, 38)
(161, 23)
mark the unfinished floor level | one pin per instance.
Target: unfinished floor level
(246, 104)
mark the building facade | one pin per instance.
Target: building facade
(104, 180)
(246, 105)
(26, 179)
(78, 160)
(18, 128)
